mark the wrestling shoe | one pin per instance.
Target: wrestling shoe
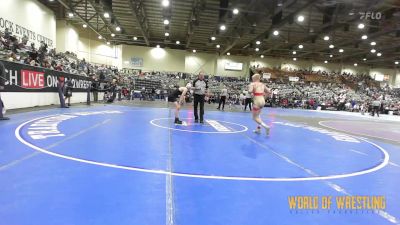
(177, 121)
(267, 131)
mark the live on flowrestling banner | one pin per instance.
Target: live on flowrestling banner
(24, 78)
(337, 204)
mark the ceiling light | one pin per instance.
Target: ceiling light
(257, 49)
(373, 50)
(294, 59)
(166, 34)
(228, 53)
(213, 38)
(166, 22)
(300, 18)
(331, 46)
(355, 64)
(118, 28)
(157, 46)
(235, 11)
(70, 15)
(177, 42)
(222, 27)
(330, 56)
(364, 59)
(194, 51)
(106, 15)
(258, 42)
(262, 56)
(361, 26)
(397, 62)
(373, 43)
(326, 38)
(112, 35)
(51, 0)
(134, 38)
(108, 42)
(294, 52)
(218, 46)
(341, 50)
(100, 37)
(364, 37)
(379, 54)
(301, 46)
(276, 33)
(165, 3)
(325, 61)
(84, 25)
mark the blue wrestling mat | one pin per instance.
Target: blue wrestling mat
(131, 165)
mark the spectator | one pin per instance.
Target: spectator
(61, 88)
(68, 91)
(2, 82)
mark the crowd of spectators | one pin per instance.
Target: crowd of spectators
(332, 90)
(18, 50)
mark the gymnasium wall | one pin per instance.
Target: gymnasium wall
(397, 79)
(295, 65)
(96, 51)
(222, 60)
(266, 62)
(30, 18)
(194, 63)
(158, 59)
(329, 67)
(67, 37)
(85, 44)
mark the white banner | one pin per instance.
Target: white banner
(233, 66)
(379, 77)
(266, 76)
(294, 79)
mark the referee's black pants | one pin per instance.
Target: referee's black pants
(375, 109)
(198, 99)
(247, 101)
(222, 100)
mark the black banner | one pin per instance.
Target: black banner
(24, 78)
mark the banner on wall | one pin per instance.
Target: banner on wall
(20, 31)
(266, 76)
(131, 71)
(233, 66)
(294, 79)
(137, 62)
(379, 77)
(25, 78)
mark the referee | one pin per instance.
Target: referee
(200, 88)
(2, 81)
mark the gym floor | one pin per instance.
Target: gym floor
(129, 164)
